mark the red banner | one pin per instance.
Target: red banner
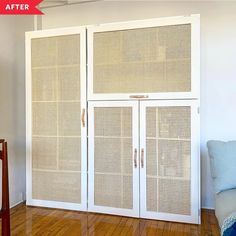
(20, 7)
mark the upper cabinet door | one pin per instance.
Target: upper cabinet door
(56, 105)
(152, 59)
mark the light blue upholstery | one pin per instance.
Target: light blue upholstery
(225, 205)
(223, 164)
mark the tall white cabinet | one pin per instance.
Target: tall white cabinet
(142, 106)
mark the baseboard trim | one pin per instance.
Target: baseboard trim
(16, 204)
(208, 208)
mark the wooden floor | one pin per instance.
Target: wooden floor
(42, 222)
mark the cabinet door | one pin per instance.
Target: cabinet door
(169, 160)
(157, 58)
(113, 176)
(56, 103)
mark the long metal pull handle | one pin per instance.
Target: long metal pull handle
(142, 157)
(83, 117)
(135, 157)
(138, 96)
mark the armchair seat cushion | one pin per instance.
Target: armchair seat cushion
(225, 205)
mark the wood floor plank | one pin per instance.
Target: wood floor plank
(120, 226)
(36, 221)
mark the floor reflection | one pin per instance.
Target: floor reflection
(42, 221)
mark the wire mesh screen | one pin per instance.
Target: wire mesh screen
(168, 144)
(56, 141)
(146, 60)
(113, 177)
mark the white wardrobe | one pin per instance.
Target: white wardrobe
(113, 118)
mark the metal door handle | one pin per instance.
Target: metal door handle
(83, 117)
(138, 96)
(135, 157)
(142, 157)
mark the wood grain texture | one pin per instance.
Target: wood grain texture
(42, 221)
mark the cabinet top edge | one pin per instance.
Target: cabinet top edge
(143, 22)
(148, 20)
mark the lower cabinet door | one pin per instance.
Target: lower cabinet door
(169, 161)
(113, 173)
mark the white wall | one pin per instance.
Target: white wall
(12, 99)
(218, 63)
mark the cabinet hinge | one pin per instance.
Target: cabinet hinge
(198, 110)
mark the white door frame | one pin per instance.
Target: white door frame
(135, 129)
(194, 20)
(52, 33)
(195, 163)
